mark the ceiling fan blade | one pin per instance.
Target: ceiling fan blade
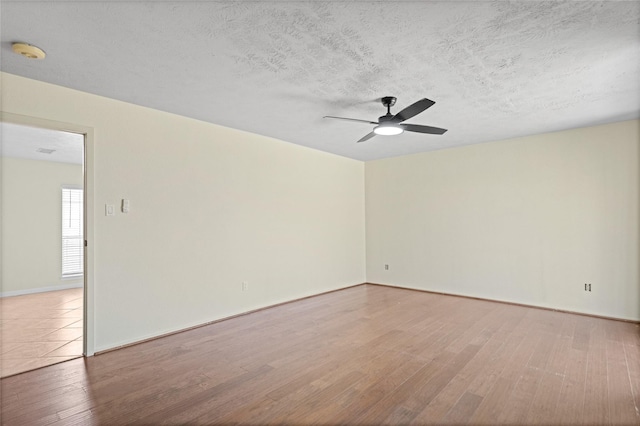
(423, 129)
(413, 110)
(367, 137)
(351, 119)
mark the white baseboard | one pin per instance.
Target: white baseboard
(40, 289)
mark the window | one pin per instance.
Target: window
(72, 229)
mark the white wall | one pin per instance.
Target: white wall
(211, 207)
(528, 220)
(31, 217)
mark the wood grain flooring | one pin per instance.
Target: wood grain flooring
(364, 355)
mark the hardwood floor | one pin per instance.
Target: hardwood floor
(364, 355)
(40, 329)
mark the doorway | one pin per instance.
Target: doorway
(44, 263)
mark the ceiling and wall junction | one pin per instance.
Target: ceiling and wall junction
(496, 70)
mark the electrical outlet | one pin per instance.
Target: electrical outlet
(386, 267)
(245, 285)
(587, 286)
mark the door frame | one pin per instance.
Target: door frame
(89, 213)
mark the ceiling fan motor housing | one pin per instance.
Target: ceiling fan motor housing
(385, 118)
(387, 126)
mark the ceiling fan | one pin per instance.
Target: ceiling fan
(389, 124)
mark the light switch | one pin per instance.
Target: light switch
(125, 206)
(109, 210)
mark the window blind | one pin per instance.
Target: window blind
(72, 232)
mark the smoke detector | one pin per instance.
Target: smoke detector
(28, 51)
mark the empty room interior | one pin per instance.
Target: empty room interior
(320, 213)
(42, 307)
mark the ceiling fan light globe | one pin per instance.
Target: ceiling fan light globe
(388, 130)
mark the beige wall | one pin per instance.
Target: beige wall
(211, 207)
(528, 220)
(31, 219)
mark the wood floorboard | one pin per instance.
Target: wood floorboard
(596, 383)
(620, 395)
(458, 387)
(396, 369)
(463, 409)
(570, 409)
(390, 404)
(364, 355)
(519, 401)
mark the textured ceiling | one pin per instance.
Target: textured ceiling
(495, 69)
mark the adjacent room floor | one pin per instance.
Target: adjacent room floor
(40, 329)
(364, 355)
